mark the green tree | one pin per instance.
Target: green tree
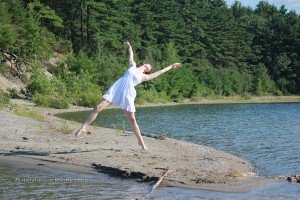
(7, 35)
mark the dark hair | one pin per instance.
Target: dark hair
(143, 63)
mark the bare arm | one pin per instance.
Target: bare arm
(148, 77)
(130, 52)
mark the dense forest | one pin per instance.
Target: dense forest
(225, 49)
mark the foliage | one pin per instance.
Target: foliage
(7, 35)
(4, 99)
(226, 50)
(40, 83)
(13, 93)
(89, 99)
(151, 96)
(51, 101)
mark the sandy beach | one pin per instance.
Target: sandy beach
(50, 141)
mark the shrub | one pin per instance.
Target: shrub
(39, 83)
(151, 96)
(4, 98)
(13, 93)
(278, 93)
(89, 99)
(50, 101)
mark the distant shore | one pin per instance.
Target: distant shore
(232, 100)
(50, 141)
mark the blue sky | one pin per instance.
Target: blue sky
(289, 4)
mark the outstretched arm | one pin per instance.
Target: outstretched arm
(148, 77)
(131, 61)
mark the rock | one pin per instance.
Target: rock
(293, 178)
(25, 138)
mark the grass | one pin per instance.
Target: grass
(23, 111)
(65, 128)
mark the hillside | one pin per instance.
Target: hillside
(16, 75)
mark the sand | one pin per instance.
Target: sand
(116, 153)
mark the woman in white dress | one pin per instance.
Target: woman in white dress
(122, 93)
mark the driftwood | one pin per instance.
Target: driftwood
(157, 184)
(151, 135)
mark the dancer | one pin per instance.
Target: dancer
(122, 93)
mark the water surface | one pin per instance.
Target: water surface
(265, 134)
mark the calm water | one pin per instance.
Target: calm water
(265, 134)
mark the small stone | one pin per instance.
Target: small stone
(25, 138)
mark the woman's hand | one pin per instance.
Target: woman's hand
(126, 43)
(176, 65)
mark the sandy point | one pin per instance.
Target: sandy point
(50, 141)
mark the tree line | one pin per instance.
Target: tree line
(226, 50)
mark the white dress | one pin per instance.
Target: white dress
(122, 92)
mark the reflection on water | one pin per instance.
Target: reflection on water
(31, 182)
(265, 134)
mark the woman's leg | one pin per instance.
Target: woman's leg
(92, 116)
(135, 128)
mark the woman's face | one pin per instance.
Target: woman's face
(148, 68)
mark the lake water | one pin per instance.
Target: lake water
(265, 134)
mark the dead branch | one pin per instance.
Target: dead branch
(157, 184)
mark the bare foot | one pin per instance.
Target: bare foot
(79, 132)
(143, 146)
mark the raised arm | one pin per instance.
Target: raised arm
(131, 61)
(148, 77)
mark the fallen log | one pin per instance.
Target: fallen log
(157, 184)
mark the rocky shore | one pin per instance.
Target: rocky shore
(50, 141)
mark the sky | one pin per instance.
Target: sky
(289, 4)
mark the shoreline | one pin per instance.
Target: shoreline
(231, 100)
(109, 152)
(241, 186)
